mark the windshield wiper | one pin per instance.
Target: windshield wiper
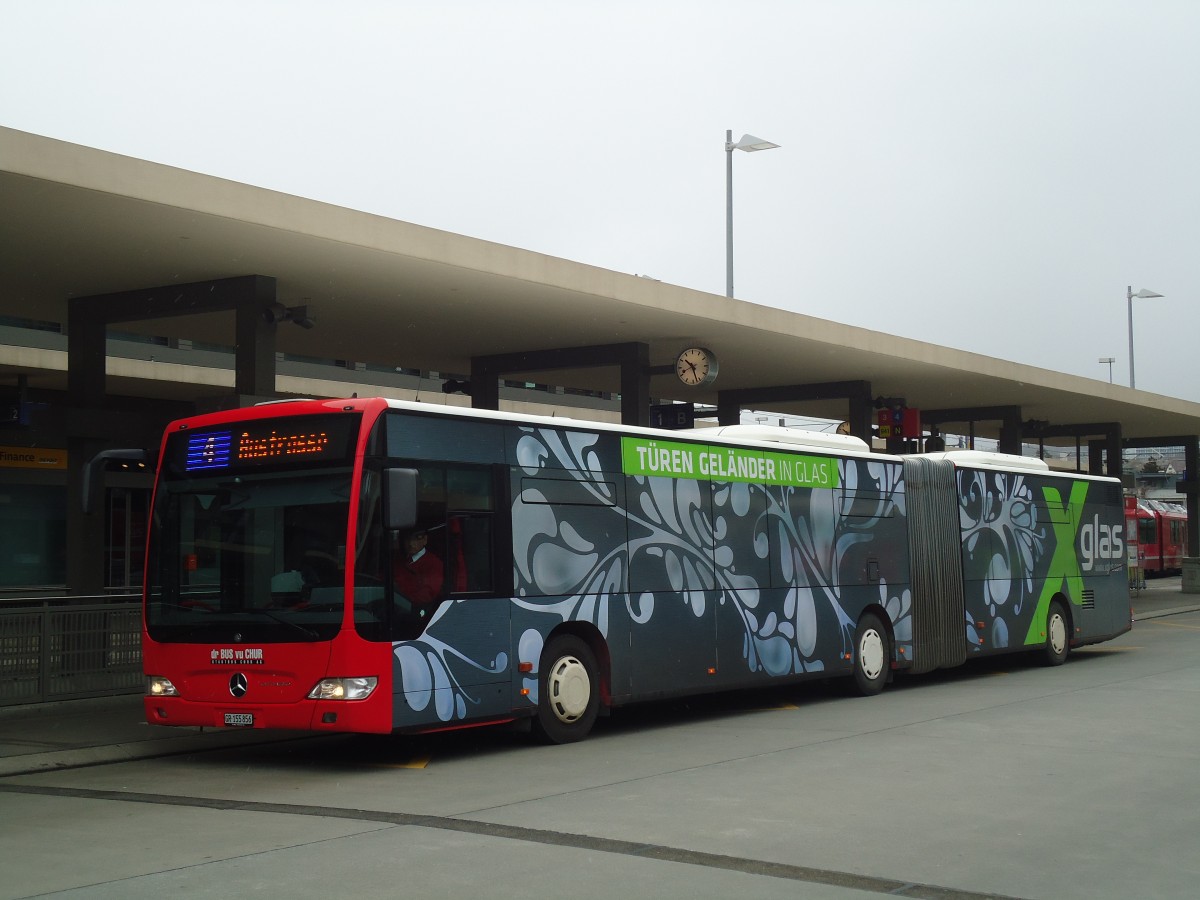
(187, 606)
(282, 620)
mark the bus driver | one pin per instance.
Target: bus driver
(418, 573)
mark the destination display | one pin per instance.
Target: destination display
(281, 441)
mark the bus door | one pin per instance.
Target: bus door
(752, 624)
(673, 594)
(450, 630)
(1104, 562)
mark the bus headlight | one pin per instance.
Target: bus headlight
(343, 688)
(159, 686)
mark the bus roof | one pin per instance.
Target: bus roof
(982, 459)
(761, 435)
(795, 437)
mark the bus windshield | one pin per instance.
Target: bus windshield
(256, 556)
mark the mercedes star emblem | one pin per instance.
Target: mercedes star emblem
(238, 685)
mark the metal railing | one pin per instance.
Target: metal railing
(66, 648)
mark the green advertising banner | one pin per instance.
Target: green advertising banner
(672, 459)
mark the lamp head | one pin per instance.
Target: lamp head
(299, 315)
(750, 143)
(277, 312)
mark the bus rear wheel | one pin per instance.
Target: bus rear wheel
(568, 691)
(1058, 635)
(872, 655)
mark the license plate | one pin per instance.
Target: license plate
(239, 718)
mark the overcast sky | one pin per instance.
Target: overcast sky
(988, 175)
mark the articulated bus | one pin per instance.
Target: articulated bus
(368, 565)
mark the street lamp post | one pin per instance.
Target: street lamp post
(1109, 360)
(1143, 294)
(749, 143)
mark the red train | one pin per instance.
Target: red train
(1162, 537)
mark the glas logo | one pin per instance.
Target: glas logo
(1097, 541)
(1077, 547)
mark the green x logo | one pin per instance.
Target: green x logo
(1064, 570)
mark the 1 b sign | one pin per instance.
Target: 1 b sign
(673, 415)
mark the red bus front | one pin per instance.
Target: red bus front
(255, 612)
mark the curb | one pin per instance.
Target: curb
(104, 754)
(1159, 613)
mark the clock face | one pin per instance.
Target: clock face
(696, 366)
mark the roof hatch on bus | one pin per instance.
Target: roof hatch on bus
(796, 437)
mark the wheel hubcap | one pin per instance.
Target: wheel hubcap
(1058, 633)
(570, 689)
(870, 654)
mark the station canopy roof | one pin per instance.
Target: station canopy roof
(79, 222)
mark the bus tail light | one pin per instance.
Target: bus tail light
(160, 686)
(343, 688)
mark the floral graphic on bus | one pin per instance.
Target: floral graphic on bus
(784, 578)
(770, 559)
(431, 671)
(1001, 542)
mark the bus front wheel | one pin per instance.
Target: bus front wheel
(568, 691)
(872, 655)
(1058, 635)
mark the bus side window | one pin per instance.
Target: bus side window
(469, 561)
(456, 508)
(469, 529)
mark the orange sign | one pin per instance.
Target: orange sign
(32, 458)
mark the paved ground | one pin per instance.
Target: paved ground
(86, 732)
(1001, 779)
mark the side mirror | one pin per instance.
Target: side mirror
(96, 465)
(399, 498)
